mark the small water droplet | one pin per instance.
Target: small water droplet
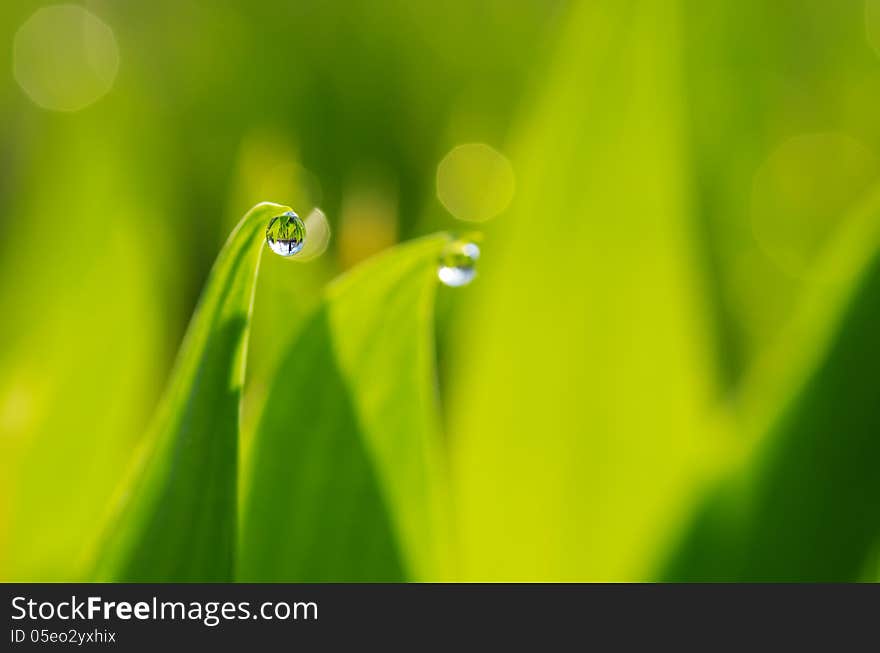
(286, 234)
(458, 263)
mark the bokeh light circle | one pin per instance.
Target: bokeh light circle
(317, 236)
(65, 58)
(475, 182)
(804, 192)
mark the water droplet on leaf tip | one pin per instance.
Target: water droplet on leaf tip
(286, 234)
(457, 265)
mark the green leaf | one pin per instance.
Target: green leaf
(584, 371)
(83, 343)
(803, 504)
(176, 516)
(346, 477)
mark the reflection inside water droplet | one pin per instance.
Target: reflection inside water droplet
(458, 263)
(286, 234)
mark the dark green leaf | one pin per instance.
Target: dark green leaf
(346, 480)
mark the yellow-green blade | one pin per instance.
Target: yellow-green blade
(83, 349)
(581, 377)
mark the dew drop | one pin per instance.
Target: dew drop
(286, 234)
(458, 263)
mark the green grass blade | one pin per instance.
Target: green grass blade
(176, 518)
(803, 504)
(580, 389)
(346, 479)
(76, 370)
(805, 509)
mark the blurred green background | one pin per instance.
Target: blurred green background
(668, 365)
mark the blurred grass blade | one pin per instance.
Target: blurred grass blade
(346, 480)
(83, 342)
(580, 393)
(176, 518)
(803, 506)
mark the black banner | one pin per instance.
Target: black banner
(144, 617)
